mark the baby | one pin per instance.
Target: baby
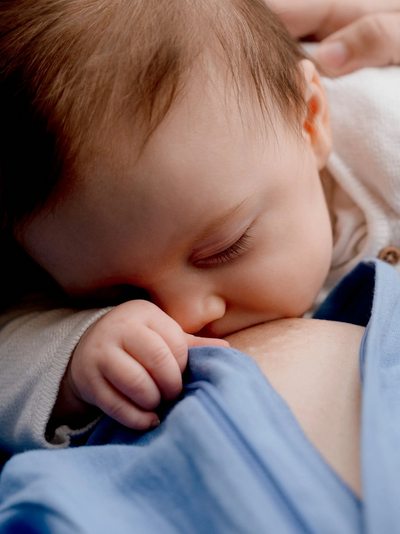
(172, 146)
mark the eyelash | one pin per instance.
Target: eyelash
(229, 254)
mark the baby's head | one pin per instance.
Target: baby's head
(172, 145)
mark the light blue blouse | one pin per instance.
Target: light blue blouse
(229, 457)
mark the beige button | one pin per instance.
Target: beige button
(390, 255)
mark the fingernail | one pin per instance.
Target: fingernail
(155, 423)
(332, 55)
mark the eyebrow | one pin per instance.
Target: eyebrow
(215, 226)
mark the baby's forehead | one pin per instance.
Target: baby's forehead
(211, 86)
(208, 111)
(204, 124)
(202, 156)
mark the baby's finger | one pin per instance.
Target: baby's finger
(173, 335)
(153, 352)
(195, 341)
(371, 41)
(112, 403)
(131, 379)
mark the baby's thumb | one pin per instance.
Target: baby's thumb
(371, 41)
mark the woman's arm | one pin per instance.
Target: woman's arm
(314, 366)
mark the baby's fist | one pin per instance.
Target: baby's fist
(128, 360)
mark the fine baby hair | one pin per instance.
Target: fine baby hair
(70, 71)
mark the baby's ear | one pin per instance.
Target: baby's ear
(316, 125)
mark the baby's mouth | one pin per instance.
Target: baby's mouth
(219, 330)
(214, 331)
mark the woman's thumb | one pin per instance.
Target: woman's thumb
(371, 41)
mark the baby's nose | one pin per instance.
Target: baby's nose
(193, 310)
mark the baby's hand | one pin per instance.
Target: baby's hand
(128, 360)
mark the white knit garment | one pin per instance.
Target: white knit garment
(365, 165)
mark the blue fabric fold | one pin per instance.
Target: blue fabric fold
(229, 456)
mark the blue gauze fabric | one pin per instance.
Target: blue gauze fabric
(229, 457)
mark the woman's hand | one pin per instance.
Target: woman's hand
(353, 33)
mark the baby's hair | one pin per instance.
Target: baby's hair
(71, 70)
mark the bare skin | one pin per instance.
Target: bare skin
(314, 366)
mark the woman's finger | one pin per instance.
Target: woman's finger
(371, 41)
(302, 17)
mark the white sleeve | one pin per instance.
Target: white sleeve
(35, 347)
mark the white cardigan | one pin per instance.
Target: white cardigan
(35, 346)
(365, 166)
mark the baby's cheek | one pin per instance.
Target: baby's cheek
(299, 293)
